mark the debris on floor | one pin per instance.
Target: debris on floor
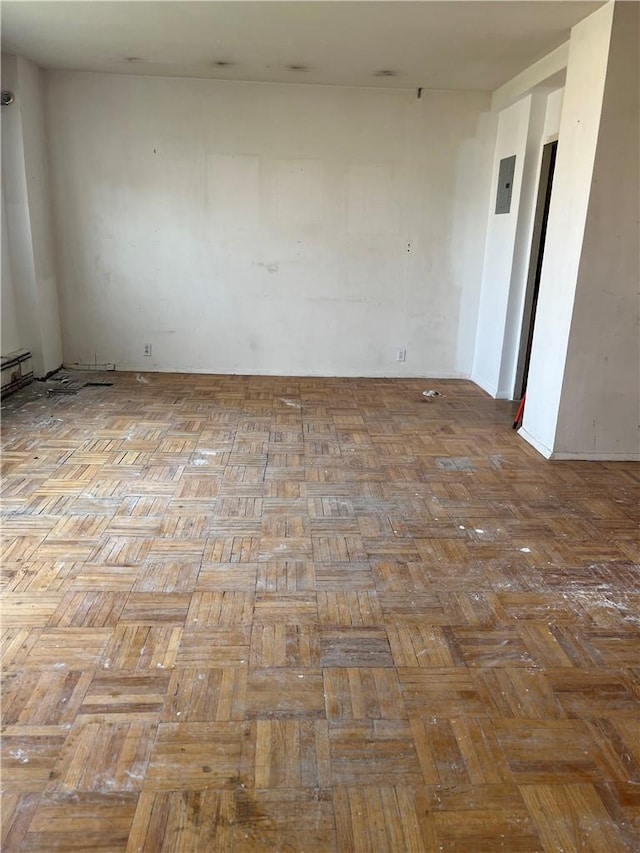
(431, 393)
(62, 384)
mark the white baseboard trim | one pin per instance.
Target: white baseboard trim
(595, 456)
(576, 455)
(124, 368)
(542, 449)
(491, 390)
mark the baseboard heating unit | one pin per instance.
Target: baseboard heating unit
(17, 371)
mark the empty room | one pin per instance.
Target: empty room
(320, 427)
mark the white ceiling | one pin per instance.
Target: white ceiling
(440, 45)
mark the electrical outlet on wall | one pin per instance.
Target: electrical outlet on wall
(147, 349)
(401, 354)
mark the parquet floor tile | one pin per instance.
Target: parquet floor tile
(82, 822)
(286, 614)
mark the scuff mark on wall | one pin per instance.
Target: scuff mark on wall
(271, 267)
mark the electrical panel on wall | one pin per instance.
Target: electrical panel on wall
(505, 184)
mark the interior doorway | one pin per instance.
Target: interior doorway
(535, 266)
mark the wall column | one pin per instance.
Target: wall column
(27, 208)
(583, 394)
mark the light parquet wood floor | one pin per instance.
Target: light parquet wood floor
(272, 614)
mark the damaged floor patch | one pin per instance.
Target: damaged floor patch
(454, 463)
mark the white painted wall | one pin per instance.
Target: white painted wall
(28, 241)
(17, 247)
(259, 228)
(10, 341)
(522, 247)
(578, 138)
(599, 412)
(552, 115)
(31, 96)
(523, 128)
(513, 125)
(469, 228)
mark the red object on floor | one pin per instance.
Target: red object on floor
(518, 416)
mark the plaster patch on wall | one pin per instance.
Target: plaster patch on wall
(299, 192)
(272, 267)
(372, 204)
(233, 191)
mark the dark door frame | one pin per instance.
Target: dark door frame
(536, 255)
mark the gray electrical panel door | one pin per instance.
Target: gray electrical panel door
(505, 184)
